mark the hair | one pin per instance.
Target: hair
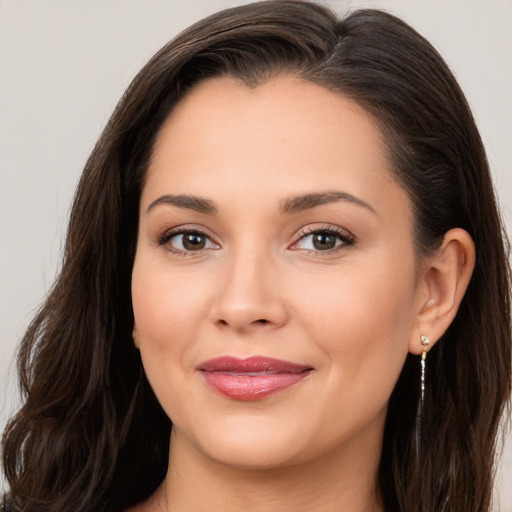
(91, 435)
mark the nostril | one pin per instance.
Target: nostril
(226, 323)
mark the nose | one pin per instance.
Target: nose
(249, 294)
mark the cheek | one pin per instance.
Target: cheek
(362, 319)
(168, 314)
(359, 299)
(166, 308)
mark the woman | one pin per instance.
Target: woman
(285, 285)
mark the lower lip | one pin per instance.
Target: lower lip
(251, 387)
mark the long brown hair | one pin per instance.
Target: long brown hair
(91, 435)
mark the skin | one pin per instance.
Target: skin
(260, 286)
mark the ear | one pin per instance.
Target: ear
(135, 336)
(443, 282)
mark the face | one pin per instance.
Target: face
(274, 284)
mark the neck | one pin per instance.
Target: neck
(336, 481)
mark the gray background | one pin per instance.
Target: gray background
(65, 63)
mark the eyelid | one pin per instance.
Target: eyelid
(169, 233)
(346, 237)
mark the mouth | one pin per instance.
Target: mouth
(254, 378)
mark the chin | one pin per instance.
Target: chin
(251, 444)
(253, 456)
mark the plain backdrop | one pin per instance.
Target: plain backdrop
(65, 63)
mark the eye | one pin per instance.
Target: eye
(323, 240)
(189, 240)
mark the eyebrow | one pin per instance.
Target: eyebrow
(307, 201)
(198, 204)
(292, 205)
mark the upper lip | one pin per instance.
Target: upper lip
(254, 364)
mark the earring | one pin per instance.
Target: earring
(419, 412)
(425, 342)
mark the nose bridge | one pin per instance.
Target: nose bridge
(248, 294)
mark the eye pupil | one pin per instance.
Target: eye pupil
(324, 241)
(193, 241)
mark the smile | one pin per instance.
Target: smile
(253, 378)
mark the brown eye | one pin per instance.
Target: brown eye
(193, 241)
(188, 241)
(324, 241)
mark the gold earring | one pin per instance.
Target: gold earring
(426, 343)
(419, 412)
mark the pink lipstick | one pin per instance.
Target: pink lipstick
(253, 378)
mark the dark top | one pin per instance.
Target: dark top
(4, 506)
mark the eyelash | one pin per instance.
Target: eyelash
(182, 230)
(346, 238)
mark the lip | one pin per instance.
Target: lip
(254, 378)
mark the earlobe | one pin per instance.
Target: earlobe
(135, 337)
(445, 277)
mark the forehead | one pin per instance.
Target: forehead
(283, 112)
(287, 135)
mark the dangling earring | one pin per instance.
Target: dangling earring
(425, 342)
(419, 412)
